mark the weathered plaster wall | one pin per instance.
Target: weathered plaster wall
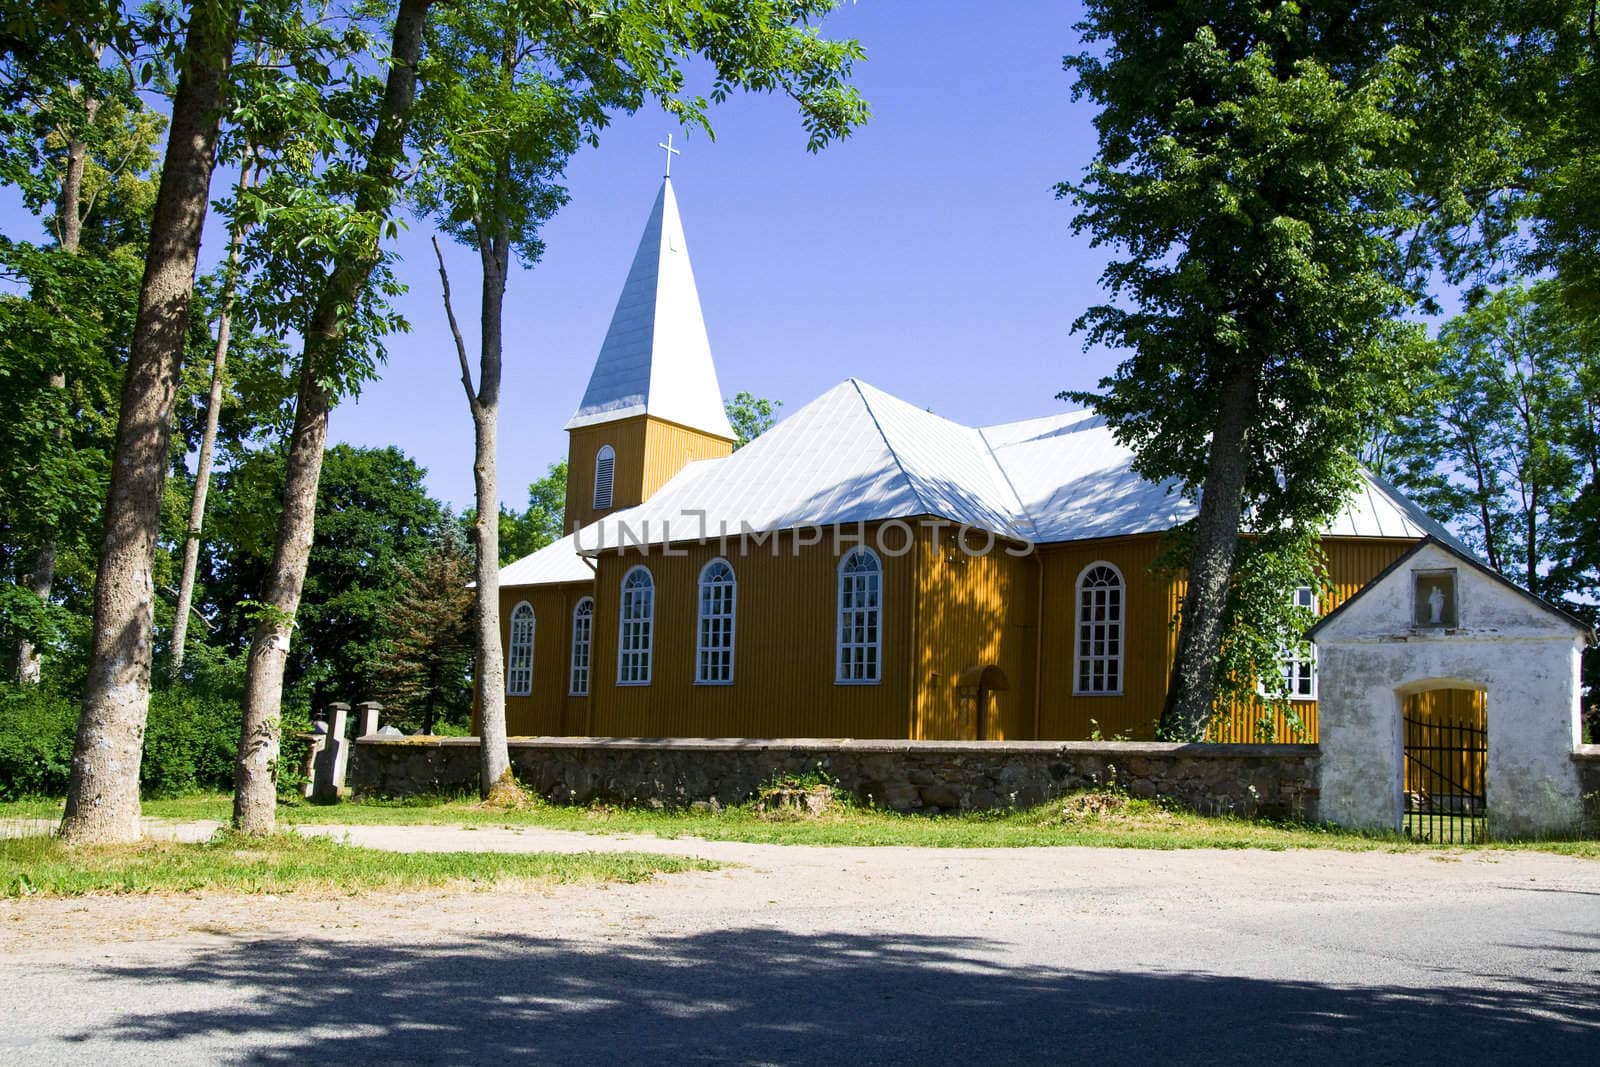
(902, 775)
(1525, 658)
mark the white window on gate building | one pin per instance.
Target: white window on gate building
(719, 592)
(519, 652)
(582, 643)
(860, 638)
(635, 625)
(1097, 653)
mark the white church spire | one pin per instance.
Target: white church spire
(656, 358)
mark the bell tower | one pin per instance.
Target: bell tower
(653, 404)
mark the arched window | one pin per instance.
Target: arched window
(1101, 593)
(519, 652)
(714, 646)
(860, 618)
(582, 641)
(634, 624)
(605, 472)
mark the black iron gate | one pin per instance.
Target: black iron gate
(1445, 763)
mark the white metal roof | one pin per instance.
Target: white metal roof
(854, 454)
(1078, 482)
(656, 358)
(857, 454)
(554, 564)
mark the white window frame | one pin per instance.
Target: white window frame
(1107, 661)
(579, 671)
(708, 587)
(857, 618)
(519, 651)
(1293, 657)
(607, 456)
(645, 626)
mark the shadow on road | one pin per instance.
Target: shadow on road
(761, 995)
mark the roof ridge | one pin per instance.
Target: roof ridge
(894, 453)
(1022, 508)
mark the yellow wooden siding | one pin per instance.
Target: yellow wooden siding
(548, 709)
(1440, 710)
(943, 614)
(668, 448)
(1148, 609)
(974, 612)
(649, 452)
(627, 439)
(1352, 563)
(784, 648)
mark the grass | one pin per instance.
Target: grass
(41, 866)
(1095, 820)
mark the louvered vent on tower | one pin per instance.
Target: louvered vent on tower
(605, 469)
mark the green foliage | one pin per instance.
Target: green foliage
(306, 111)
(1248, 173)
(423, 677)
(1493, 444)
(1246, 184)
(1098, 818)
(37, 727)
(524, 533)
(374, 517)
(287, 863)
(751, 416)
(191, 736)
(57, 59)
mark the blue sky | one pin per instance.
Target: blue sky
(926, 254)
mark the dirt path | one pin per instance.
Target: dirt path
(826, 954)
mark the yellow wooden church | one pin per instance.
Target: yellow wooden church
(863, 569)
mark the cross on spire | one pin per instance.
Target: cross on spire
(667, 147)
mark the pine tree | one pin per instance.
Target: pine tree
(424, 679)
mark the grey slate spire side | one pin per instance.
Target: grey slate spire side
(656, 358)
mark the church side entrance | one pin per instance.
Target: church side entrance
(1446, 738)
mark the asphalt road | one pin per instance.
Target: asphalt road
(816, 956)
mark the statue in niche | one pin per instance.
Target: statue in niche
(1434, 600)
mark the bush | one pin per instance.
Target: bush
(190, 741)
(37, 727)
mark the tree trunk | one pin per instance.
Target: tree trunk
(1533, 539)
(69, 232)
(103, 791)
(255, 784)
(494, 779)
(208, 444)
(1192, 689)
(495, 757)
(1481, 479)
(30, 665)
(255, 789)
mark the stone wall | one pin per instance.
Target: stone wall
(1588, 760)
(1277, 780)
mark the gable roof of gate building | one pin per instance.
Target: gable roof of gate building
(1453, 549)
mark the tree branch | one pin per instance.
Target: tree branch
(455, 331)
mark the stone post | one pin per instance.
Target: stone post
(327, 784)
(367, 718)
